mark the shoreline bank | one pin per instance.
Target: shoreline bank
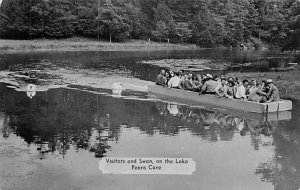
(79, 44)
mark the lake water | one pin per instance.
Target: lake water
(55, 139)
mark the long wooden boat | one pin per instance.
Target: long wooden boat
(246, 106)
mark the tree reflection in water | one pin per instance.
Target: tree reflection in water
(283, 171)
(62, 119)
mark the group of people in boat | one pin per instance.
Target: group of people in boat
(232, 88)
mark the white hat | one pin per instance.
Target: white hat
(269, 81)
(209, 76)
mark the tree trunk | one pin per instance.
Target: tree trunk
(110, 37)
(30, 19)
(98, 30)
(43, 25)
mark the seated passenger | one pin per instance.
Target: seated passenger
(240, 92)
(161, 78)
(253, 86)
(181, 74)
(215, 77)
(230, 79)
(263, 87)
(168, 77)
(222, 90)
(174, 81)
(255, 93)
(246, 85)
(209, 87)
(236, 79)
(197, 83)
(273, 93)
(230, 89)
(219, 83)
(186, 83)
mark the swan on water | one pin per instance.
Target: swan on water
(117, 88)
(31, 90)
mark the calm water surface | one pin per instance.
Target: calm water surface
(127, 62)
(54, 141)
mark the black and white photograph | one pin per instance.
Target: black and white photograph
(149, 94)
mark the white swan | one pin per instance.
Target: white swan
(117, 88)
(31, 90)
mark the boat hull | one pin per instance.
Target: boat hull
(247, 106)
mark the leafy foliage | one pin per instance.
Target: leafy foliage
(204, 22)
(15, 19)
(111, 24)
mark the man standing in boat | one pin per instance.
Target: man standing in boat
(273, 93)
(209, 86)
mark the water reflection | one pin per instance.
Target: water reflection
(63, 119)
(283, 170)
(200, 121)
(60, 118)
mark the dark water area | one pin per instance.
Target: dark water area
(76, 127)
(129, 61)
(55, 139)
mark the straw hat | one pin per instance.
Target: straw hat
(269, 81)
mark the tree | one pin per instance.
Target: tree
(207, 27)
(112, 25)
(132, 15)
(235, 16)
(51, 19)
(86, 23)
(183, 31)
(292, 40)
(204, 22)
(35, 18)
(161, 31)
(15, 19)
(163, 16)
(59, 20)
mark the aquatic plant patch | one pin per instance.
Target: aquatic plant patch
(188, 64)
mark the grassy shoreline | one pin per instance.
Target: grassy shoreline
(84, 44)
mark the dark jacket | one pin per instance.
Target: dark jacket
(209, 86)
(273, 94)
(187, 85)
(161, 80)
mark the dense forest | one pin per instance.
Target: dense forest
(203, 22)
